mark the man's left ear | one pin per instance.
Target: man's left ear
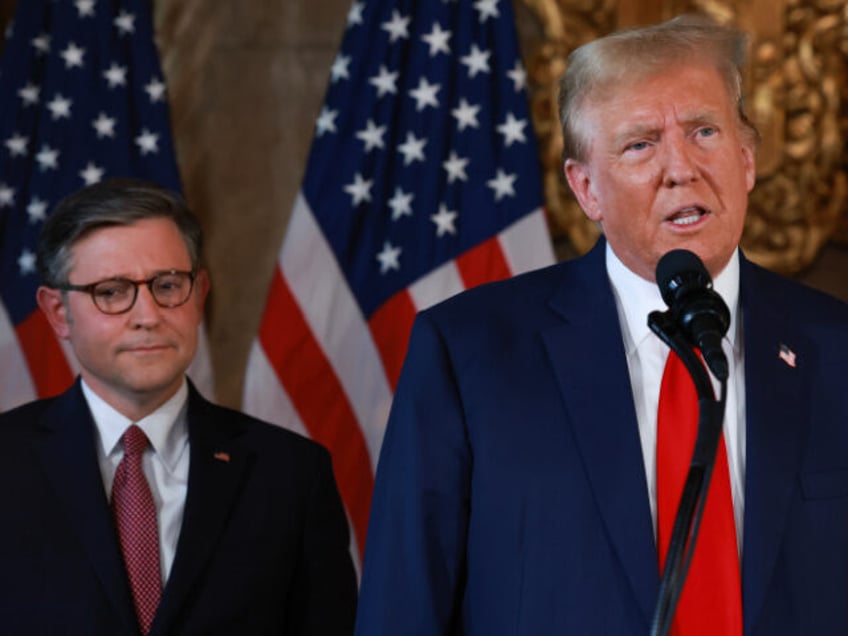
(52, 303)
(201, 287)
(749, 158)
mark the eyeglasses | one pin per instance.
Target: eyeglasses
(118, 295)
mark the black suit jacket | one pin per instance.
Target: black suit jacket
(264, 546)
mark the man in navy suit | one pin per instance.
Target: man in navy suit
(516, 488)
(252, 537)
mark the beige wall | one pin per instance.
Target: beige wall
(247, 80)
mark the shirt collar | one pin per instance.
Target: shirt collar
(638, 297)
(166, 427)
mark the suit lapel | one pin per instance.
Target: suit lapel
(776, 426)
(65, 447)
(217, 470)
(588, 358)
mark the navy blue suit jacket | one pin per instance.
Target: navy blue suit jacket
(263, 549)
(510, 494)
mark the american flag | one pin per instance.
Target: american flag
(423, 180)
(787, 355)
(82, 97)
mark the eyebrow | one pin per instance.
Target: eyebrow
(635, 131)
(652, 130)
(130, 278)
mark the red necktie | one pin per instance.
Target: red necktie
(135, 518)
(711, 601)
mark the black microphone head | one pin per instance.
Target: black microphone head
(698, 310)
(680, 272)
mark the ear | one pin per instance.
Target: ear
(750, 161)
(201, 289)
(55, 310)
(580, 181)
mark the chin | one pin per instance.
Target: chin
(153, 385)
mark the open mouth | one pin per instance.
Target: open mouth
(688, 215)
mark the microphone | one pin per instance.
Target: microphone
(695, 307)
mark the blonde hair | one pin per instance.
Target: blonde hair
(634, 54)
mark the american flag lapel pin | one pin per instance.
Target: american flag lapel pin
(221, 456)
(787, 355)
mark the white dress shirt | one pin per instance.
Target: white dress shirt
(646, 356)
(165, 462)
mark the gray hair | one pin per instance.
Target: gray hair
(634, 54)
(111, 202)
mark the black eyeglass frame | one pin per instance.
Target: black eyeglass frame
(90, 288)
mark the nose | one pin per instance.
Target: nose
(145, 311)
(679, 167)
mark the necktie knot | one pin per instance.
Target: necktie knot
(135, 441)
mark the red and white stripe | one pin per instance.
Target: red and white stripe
(320, 368)
(35, 364)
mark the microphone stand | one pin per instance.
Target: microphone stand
(690, 509)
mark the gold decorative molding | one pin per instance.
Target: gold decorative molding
(797, 88)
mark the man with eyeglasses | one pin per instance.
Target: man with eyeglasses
(132, 504)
